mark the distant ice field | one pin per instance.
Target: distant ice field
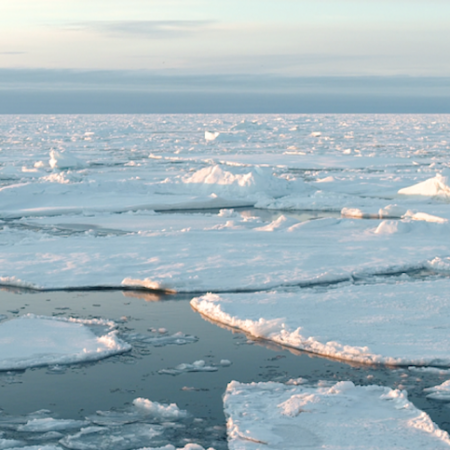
(82, 199)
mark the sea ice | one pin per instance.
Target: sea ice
(437, 187)
(177, 338)
(196, 366)
(125, 437)
(49, 424)
(402, 323)
(158, 410)
(31, 340)
(64, 160)
(441, 392)
(277, 416)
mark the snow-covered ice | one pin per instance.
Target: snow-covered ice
(274, 416)
(30, 340)
(224, 204)
(440, 392)
(391, 323)
(86, 218)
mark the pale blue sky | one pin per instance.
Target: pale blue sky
(206, 55)
(282, 37)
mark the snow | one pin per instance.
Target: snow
(273, 416)
(30, 340)
(226, 204)
(438, 186)
(398, 323)
(91, 222)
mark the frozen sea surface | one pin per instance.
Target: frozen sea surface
(82, 199)
(347, 216)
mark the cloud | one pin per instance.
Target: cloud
(149, 29)
(13, 53)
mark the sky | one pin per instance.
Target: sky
(256, 47)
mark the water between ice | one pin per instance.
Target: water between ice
(79, 390)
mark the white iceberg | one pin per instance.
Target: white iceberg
(275, 416)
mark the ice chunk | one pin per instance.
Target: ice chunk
(197, 366)
(424, 217)
(64, 160)
(438, 186)
(31, 340)
(391, 211)
(440, 392)
(216, 136)
(282, 223)
(422, 223)
(401, 324)
(393, 227)
(276, 416)
(125, 437)
(50, 424)
(10, 443)
(160, 411)
(236, 182)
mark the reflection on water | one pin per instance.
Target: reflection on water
(79, 390)
(144, 295)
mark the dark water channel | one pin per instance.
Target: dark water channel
(79, 390)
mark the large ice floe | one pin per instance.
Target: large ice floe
(402, 323)
(341, 416)
(30, 341)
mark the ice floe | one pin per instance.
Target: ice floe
(30, 340)
(396, 323)
(274, 416)
(196, 366)
(143, 425)
(440, 392)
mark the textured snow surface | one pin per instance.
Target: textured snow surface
(390, 323)
(343, 416)
(30, 340)
(82, 199)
